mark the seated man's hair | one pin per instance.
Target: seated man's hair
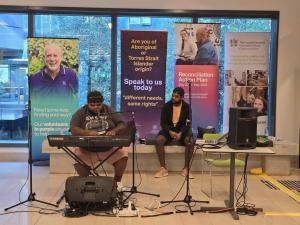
(95, 96)
(179, 90)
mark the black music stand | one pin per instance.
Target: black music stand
(31, 196)
(188, 197)
(133, 189)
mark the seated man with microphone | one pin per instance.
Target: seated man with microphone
(96, 118)
(175, 116)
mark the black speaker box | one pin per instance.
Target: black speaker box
(93, 192)
(242, 128)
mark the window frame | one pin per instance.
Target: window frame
(194, 14)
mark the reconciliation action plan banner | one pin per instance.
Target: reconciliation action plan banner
(143, 69)
(197, 60)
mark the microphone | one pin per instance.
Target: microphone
(188, 121)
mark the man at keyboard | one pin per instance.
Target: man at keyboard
(97, 118)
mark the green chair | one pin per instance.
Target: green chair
(216, 162)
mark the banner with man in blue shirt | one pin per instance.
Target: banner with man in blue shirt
(53, 88)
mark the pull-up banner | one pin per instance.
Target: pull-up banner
(246, 75)
(143, 69)
(197, 61)
(53, 69)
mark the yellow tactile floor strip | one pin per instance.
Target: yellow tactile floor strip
(283, 188)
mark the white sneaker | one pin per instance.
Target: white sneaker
(184, 173)
(120, 187)
(162, 172)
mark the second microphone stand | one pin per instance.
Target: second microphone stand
(133, 189)
(188, 197)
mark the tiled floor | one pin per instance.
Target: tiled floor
(49, 187)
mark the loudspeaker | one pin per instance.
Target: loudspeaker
(242, 128)
(91, 193)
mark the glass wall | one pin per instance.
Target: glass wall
(95, 32)
(13, 78)
(168, 24)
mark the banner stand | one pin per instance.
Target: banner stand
(31, 196)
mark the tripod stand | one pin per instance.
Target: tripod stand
(188, 197)
(133, 189)
(31, 196)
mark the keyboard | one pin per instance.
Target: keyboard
(89, 142)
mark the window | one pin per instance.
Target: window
(13, 78)
(140, 21)
(4, 74)
(98, 31)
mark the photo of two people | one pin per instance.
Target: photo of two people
(197, 44)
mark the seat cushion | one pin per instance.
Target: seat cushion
(225, 162)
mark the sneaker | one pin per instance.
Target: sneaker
(184, 173)
(120, 186)
(163, 172)
(82, 170)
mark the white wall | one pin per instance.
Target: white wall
(288, 82)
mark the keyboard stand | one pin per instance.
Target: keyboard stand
(77, 159)
(104, 160)
(93, 170)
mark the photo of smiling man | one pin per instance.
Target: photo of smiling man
(54, 79)
(53, 83)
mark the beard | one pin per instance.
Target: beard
(177, 103)
(92, 112)
(53, 67)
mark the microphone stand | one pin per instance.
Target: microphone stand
(133, 189)
(31, 196)
(188, 199)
